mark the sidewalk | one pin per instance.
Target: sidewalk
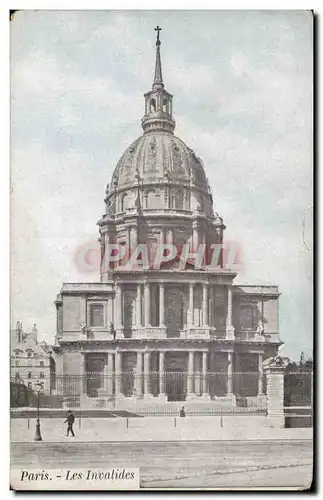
(153, 429)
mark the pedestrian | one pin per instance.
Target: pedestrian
(70, 421)
(182, 412)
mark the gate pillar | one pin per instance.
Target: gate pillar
(274, 369)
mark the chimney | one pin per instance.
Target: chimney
(34, 332)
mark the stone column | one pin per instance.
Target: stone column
(133, 238)
(204, 374)
(110, 374)
(204, 305)
(146, 372)
(261, 375)
(274, 370)
(106, 374)
(229, 385)
(147, 303)
(190, 374)
(169, 237)
(190, 309)
(138, 306)
(139, 374)
(162, 373)
(229, 327)
(195, 237)
(83, 384)
(211, 306)
(118, 305)
(161, 305)
(118, 373)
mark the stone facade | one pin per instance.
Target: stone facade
(31, 362)
(170, 332)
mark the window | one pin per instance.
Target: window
(41, 375)
(29, 354)
(29, 374)
(178, 200)
(17, 375)
(41, 363)
(247, 319)
(152, 105)
(17, 363)
(165, 105)
(29, 385)
(96, 315)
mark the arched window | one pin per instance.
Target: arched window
(97, 315)
(152, 105)
(178, 200)
(165, 107)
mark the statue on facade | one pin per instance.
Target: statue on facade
(261, 327)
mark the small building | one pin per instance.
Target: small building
(31, 362)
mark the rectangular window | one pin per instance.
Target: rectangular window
(97, 315)
(247, 320)
(29, 375)
(29, 385)
(29, 354)
(17, 375)
(41, 375)
(17, 363)
(41, 363)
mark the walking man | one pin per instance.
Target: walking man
(70, 421)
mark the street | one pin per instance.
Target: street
(182, 464)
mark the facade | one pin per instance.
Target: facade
(173, 332)
(31, 362)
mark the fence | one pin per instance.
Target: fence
(298, 399)
(70, 389)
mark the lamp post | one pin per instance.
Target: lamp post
(38, 434)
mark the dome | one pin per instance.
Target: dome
(158, 171)
(156, 156)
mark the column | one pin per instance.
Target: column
(204, 373)
(133, 238)
(147, 303)
(190, 309)
(195, 237)
(138, 306)
(229, 385)
(161, 373)
(205, 304)
(261, 375)
(211, 306)
(190, 377)
(109, 374)
(83, 384)
(161, 305)
(118, 305)
(229, 327)
(146, 372)
(117, 373)
(139, 374)
(106, 374)
(169, 236)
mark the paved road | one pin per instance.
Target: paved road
(181, 464)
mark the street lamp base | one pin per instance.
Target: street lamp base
(38, 434)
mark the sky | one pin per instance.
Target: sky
(242, 86)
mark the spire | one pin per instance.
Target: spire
(158, 102)
(158, 80)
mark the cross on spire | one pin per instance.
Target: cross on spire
(158, 29)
